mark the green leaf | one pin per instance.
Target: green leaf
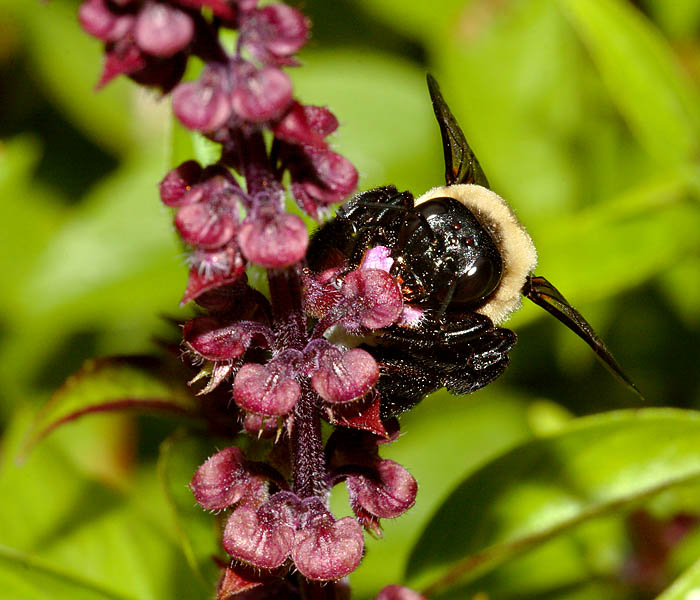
(69, 76)
(637, 65)
(419, 19)
(606, 249)
(685, 587)
(90, 533)
(20, 244)
(548, 485)
(522, 103)
(119, 229)
(115, 384)
(127, 553)
(680, 18)
(114, 266)
(23, 577)
(196, 529)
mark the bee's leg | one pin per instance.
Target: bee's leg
(462, 355)
(434, 331)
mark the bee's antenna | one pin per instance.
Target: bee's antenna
(544, 294)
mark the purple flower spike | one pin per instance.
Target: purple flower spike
(391, 494)
(223, 480)
(399, 592)
(262, 538)
(373, 299)
(261, 95)
(326, 549)
(162, 30)
(100, 22)
(203, 105)
(274, 33)
(342, 377)
(272, 239)
(269, 390)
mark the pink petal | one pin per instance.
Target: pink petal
(260, 538)
(325, 549)
(163, 30)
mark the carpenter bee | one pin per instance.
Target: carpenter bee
(463, 262)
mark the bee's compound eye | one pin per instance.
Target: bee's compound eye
(480, 280)
(436, 206)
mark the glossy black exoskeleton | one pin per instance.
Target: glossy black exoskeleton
(463, 262)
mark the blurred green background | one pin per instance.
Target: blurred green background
(585, 115)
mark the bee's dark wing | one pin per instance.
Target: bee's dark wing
(544, 294)
(461, 166)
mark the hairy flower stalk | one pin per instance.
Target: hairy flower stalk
(275, 355)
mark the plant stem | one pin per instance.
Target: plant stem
(308, 459)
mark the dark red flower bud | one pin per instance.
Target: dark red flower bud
(239, 297)
(260, 426)
(321, 119)
(320, 296)
(399, 592)
(269, 389)
(179, 181)
(372, 299)
(324, 178)
(121, 58)
(100, 22)
(261, 95)
(161, 73)
(273, 239)
(224, 479)
(336, 174)
(215, 184)
(221, 8)
(297, 128)
(203, 105)
(387, 495)
(162, 30)
(275, 32)
(344, 376)
(243, 582)
(213, 341)
(326, 549)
